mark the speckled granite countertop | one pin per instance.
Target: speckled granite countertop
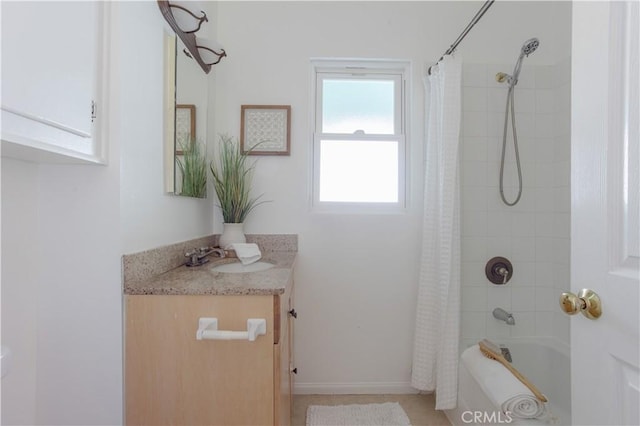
(203, 280)
(140, 278)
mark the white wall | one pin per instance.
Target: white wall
(65, 229)
(19, 288)
(62, 293)
(79, 314)
(357, 274)
(149, 216)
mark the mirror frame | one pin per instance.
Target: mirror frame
(169, 59)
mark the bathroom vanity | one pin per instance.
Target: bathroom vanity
(172, 377)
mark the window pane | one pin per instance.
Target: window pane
(350, 104)
(359, 171)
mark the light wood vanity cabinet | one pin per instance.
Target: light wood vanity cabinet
(172, 378)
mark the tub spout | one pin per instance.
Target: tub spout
(502, 315)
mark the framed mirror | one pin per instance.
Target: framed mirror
(186, 106)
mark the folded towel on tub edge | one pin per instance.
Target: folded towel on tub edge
(504, 390)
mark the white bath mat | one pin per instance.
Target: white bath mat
(386, 414)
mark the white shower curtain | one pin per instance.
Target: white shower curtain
(435, 353)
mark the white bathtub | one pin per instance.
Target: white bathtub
(545, 361)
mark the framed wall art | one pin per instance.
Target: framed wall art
(185, 126)
(265, 129)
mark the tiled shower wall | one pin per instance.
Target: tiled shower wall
(533, 234)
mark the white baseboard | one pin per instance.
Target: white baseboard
(363, 388)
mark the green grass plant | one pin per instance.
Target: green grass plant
(193, 168)
(232, 178)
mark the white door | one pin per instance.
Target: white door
(605, 233)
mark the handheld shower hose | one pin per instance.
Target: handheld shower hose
(529, 47)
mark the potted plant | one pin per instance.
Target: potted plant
(232, 176)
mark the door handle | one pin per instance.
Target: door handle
(587, 302)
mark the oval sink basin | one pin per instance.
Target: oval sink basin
(237, 267)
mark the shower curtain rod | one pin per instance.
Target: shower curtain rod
(487, 4)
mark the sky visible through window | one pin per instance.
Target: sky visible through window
(352, 104)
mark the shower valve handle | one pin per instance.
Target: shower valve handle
(505, 273)
(499, 270)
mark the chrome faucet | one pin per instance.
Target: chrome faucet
(198, 256)
(502, 315)
(218, 252)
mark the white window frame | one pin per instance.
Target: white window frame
(398, 71)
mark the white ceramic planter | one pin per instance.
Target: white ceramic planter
(232, 233)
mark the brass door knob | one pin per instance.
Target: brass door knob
(587, 302)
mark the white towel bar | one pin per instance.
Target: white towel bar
(208, 330)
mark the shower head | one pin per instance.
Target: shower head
(527, 49)
(530, 46)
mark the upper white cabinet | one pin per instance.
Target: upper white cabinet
(53, 76)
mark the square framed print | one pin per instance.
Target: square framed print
(185, 126)
(265, 129)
